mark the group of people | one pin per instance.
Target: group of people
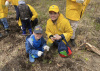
(59, 30)
(18, 4)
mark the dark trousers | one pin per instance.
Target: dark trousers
(16, 8)
(26, 24)
(34, 23)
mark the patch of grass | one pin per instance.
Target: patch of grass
(10, 13)
(97, 26)
(86, 59)
(73, 56)
(50, 61)
(44, 61)
(33, 65)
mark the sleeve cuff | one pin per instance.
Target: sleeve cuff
(62, 36)
(50, 36)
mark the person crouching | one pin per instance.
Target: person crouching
(24, 14)
(36, 44)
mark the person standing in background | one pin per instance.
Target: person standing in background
(74, 12)
(4, 14)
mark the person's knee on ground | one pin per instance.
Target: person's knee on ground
(49, 42)
(31, 58)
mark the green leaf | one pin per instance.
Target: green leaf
(73, 57)
(50, 62)
(86, 59)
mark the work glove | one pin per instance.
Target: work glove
(40, 53)
(7, 3)
(79, 1)
(46, 47)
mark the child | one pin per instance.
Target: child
(25, 14)
(35, 44)
(34, 19)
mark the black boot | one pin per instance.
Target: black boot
(73, 42)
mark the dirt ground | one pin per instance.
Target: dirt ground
(13, 55)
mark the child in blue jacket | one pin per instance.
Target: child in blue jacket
(36, 44)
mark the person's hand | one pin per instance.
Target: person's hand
(79, 1)
(57, 37)
(7, 3)
(17, 21)
(40, 53)
(52, 38)
(46, 47)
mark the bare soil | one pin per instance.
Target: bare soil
(13, 56)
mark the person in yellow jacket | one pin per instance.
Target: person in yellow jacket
(58, 27)
(74, 12)
(34, 19)
(3, 15)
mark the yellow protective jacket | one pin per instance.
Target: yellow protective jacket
(3, 9)
(14, 2)
(74, 10)
(34, 13)
(62, 27)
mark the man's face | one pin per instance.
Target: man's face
(37, 35)
(53, 15)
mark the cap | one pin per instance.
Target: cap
(38, 29)
(21, 2)
(54, 8)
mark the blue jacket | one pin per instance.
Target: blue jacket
(33, 49)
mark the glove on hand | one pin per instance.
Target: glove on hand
(7, 3)
(46, 48)
(40, 53)
(79, 1)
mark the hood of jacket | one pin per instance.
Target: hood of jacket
(21, 2)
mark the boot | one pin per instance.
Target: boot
(24, 33)
(30, 30)
(73, 42)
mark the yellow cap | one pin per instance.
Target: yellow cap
(54, 8)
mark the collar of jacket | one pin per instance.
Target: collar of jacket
(60, 18)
